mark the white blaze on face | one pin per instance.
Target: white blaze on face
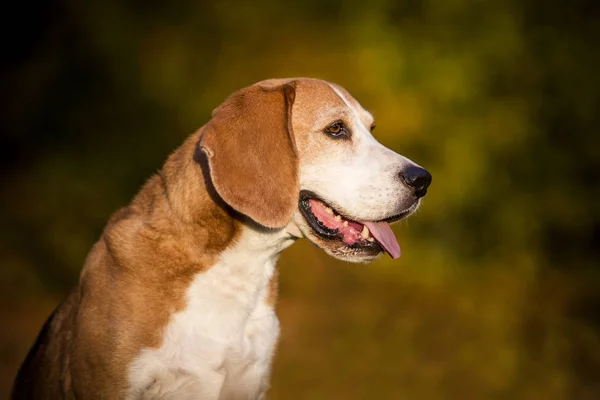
(359, 177)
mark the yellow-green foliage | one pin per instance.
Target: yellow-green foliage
(495, 296)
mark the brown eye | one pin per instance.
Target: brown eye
(336, 129)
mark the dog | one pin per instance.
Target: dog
(176, 299)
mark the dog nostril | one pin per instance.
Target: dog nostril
(417, 178)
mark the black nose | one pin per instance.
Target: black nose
(417, 178)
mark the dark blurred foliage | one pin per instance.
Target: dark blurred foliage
(496, 295)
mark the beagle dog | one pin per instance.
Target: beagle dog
(176, 299)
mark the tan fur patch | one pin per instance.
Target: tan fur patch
(134, 278)
(251, 152)
(273, 289)
(137, 274)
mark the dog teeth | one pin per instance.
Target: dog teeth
(345, 224)
(365, 232)
(370, 239)
(338, 218)
(329, 210)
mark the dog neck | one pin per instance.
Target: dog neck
(213, 268)
(197, 209)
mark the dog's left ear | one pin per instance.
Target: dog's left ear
(252, 155)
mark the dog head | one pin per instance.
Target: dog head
(300, 152)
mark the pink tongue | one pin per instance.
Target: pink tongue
(384, 235)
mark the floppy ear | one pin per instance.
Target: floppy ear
(252, 155)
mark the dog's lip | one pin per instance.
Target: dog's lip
(398, 217)
(306, 195)
(332, 234)
(314, 222)
(367, 236)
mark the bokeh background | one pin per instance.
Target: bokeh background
(497, 293)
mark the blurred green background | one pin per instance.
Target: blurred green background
(497, 293)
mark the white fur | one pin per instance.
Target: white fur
(361, 179)
(220, 346)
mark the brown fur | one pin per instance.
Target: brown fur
(273, 289)
(135, 277)
(249, 145)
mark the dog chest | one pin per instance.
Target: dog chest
(223, 339)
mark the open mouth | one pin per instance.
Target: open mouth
(328, 223)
